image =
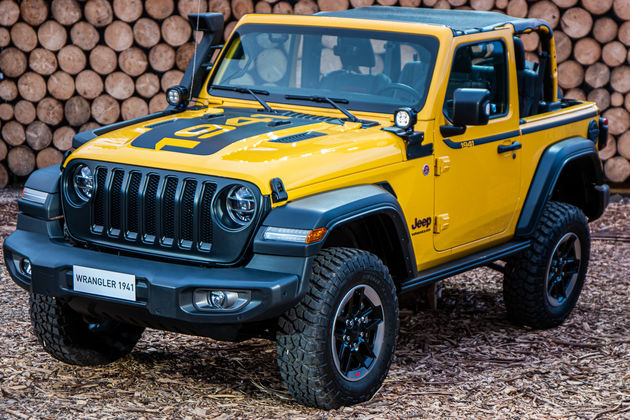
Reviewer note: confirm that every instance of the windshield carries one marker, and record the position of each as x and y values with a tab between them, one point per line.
369	70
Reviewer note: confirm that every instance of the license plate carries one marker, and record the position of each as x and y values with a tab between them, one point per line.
104	283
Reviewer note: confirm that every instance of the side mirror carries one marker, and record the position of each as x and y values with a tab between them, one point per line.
471	107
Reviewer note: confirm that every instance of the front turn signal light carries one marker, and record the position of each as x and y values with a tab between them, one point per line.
315	235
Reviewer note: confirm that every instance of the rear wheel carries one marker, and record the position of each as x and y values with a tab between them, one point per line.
335	347
542	285
70	337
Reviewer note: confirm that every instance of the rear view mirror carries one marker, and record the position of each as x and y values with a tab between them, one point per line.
471	106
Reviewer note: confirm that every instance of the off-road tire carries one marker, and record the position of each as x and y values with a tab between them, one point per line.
525	290
304	337
68	337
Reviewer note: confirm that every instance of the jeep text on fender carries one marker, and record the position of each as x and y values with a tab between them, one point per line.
321	167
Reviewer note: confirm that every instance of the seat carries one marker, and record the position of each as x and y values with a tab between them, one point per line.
527	82
354	53
414	74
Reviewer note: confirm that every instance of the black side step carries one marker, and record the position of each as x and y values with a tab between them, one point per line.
443	271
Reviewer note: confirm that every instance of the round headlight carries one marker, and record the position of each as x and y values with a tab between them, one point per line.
404	118
240	205
83	182
176	95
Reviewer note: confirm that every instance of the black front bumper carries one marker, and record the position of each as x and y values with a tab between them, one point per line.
164	290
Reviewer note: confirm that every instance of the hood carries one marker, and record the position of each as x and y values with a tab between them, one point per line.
238	143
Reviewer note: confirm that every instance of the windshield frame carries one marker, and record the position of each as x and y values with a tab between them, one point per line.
433	45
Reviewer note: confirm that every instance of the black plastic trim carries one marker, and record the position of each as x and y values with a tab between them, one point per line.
483	140
557	123
44	180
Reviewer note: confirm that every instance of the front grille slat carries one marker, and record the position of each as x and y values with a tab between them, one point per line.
205	216
187	215
98	212
168	211
151	208
115	203
133	205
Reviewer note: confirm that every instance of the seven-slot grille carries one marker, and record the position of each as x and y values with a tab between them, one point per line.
148	209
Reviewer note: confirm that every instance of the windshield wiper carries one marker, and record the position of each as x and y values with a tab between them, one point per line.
252	92
323	99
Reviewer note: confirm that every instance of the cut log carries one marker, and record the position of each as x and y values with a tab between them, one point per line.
6	113
484	5
8	90
84	36
457	3
617	169
31	86
618	120
576	22
162	57
21	161
12	62
119	35
23	36
133	61
146	32
134	107
242	7
147	85
620	79
601	97
616	99
187	7
604	30
159	9
42	61
229	28
597	75
38	135
221	6
263	7
626	101
52	35
304	7
610	149
171	78
61	85
624	33
13	133
565	4
614	54
34	12
361	3
431	3
25	112
89	126
105	109
62	138
386	2
103	59
99	12
66	12
517	8
128	10
48	157
587	51
575	94
570	74
77	111
184	55
282	8
500	4
4	176
332	5
176	30
5	37
597	7
623	145
530	41
545	10
119	85
3	150
72	59
9	12
89	84
622	9
50	111
157	103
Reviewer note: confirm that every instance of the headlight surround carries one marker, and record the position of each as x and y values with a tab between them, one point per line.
83	183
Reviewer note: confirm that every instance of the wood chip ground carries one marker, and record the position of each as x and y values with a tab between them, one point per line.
462	361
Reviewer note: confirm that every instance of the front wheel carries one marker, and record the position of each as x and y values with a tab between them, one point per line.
335	347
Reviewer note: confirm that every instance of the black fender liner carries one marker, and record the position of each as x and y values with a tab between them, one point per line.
550	166
332	209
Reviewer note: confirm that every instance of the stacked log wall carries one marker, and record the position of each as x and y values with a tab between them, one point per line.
73	65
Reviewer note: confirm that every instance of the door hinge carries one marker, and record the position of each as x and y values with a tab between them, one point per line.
442	222
442	165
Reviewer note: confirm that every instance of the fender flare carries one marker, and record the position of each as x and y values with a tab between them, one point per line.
550	166
330	210
45	180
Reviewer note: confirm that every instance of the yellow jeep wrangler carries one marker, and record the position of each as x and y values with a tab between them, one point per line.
295	187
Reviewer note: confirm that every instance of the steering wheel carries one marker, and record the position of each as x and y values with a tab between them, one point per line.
400	87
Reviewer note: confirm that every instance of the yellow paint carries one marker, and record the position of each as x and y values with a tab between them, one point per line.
189	144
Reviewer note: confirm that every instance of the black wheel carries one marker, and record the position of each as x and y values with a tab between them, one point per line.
69	337
335	347
542	285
